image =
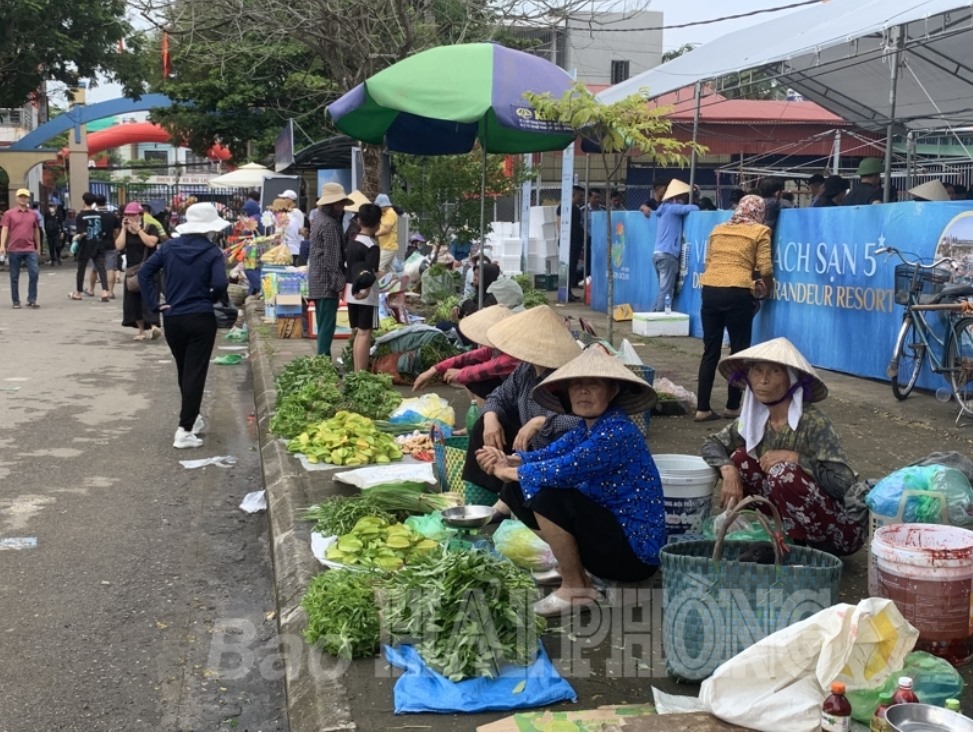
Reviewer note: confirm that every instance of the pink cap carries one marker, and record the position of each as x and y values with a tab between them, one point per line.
132	207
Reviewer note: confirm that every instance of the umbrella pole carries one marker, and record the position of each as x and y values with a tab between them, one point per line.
899	31
482	287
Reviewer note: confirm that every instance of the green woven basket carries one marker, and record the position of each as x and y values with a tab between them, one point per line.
715	606
450	456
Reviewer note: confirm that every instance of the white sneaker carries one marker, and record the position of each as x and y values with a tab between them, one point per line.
200	425
186	439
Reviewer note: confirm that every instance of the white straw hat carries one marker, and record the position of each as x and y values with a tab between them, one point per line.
537	335
333	193
202	219
930	191
357	199
475	326
635	396
675	188
779	351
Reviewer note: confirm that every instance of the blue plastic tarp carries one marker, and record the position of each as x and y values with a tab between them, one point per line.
421	689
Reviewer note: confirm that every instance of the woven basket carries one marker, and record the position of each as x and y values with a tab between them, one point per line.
715	606
450	456
237	294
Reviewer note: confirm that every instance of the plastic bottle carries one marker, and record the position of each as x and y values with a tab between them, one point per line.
471	416
836	710
952	704
905	693
879	722
668	305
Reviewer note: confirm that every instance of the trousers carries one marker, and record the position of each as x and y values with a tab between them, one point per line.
191	339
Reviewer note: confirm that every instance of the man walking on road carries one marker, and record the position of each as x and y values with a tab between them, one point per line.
20	241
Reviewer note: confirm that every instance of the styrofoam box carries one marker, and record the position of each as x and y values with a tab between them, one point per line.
660	324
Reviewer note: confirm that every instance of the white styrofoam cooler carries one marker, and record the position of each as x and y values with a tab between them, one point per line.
648	323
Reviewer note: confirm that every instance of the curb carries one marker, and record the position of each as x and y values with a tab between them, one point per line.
316	696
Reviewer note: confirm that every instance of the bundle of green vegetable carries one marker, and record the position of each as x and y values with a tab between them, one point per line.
370	395
468	613
302	371
409	497
338	515
305	405
342	614
348	439
532	296
374	543
444	310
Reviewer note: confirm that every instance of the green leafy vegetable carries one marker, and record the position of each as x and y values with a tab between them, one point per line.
444	310
307	404
339	515
342	615
468	613
408	497
302	371
369	394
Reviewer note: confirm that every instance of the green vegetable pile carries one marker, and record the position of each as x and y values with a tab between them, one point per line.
532	296
309	391
374	543
468	613
370	395
444	310
347	439
409	497
338	515
342	614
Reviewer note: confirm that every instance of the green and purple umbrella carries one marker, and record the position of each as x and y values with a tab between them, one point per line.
440	101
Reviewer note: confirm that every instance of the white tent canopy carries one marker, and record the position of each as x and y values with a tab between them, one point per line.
248	176
839	54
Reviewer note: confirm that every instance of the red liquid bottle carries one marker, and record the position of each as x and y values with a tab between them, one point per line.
836	710
905	693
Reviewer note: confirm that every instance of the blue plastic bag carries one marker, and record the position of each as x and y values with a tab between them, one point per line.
885	498
421	689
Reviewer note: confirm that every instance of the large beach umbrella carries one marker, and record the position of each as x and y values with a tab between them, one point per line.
443	100
248	176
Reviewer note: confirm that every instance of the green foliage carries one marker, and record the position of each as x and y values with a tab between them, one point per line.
342	615
532	296
370	395
64	41
338	515
443	192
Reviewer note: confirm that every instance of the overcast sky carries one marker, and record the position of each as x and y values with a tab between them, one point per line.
674	12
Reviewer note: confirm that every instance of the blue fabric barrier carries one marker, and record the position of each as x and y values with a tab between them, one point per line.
421	689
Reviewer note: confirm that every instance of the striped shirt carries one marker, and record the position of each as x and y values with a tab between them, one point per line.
477	365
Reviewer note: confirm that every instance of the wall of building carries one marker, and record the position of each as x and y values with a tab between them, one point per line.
596	40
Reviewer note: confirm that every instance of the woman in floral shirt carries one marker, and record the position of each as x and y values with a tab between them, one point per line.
784	449
594	495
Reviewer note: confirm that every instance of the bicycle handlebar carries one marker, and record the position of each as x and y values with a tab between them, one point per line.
915	263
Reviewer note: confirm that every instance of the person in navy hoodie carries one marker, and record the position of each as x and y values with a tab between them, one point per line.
195	279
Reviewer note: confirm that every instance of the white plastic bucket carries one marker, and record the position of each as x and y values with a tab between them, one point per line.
687	484
927	570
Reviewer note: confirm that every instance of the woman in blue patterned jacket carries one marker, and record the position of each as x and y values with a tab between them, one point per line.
594	495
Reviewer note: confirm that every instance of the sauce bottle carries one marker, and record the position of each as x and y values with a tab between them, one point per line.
879	722
905	693
836	710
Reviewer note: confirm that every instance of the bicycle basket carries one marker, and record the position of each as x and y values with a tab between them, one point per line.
931	282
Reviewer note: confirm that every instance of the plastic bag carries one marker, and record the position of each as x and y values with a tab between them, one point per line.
667	386
437	287
414	265
744	527
890	495
934	679
522	546
779	682
429	407
238	335
279	255
430	526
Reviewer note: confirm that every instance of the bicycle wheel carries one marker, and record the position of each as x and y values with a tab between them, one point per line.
909	353
959	362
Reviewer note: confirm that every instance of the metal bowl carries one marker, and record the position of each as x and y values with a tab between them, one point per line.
468	516
925	717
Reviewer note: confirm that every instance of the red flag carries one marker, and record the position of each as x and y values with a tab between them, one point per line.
166	68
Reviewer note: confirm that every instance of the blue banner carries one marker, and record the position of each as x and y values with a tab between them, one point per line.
834	298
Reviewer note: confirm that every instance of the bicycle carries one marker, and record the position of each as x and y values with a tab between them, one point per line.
922	288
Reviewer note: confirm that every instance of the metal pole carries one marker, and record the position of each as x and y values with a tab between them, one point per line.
587	219
836	153
910	159
479	262
899	32
692	160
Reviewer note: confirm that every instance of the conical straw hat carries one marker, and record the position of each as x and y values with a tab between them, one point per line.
779	351
537	335
676	188
930	191
357	199
636	395
474	327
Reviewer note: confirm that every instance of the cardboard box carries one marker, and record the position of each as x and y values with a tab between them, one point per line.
661	324
288	305
289	327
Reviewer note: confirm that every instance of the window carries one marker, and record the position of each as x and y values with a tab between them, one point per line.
619	71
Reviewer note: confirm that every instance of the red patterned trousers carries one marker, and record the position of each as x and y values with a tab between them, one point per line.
809	514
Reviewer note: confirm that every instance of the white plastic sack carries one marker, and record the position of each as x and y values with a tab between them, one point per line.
779	682
430	407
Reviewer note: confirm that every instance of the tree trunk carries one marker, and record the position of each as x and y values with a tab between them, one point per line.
372	175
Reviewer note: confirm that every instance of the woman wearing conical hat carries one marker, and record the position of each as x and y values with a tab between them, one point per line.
594	495
784	449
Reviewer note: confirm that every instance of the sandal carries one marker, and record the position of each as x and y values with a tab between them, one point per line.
731	414
553	605
155	333
711	416
139	338
74	297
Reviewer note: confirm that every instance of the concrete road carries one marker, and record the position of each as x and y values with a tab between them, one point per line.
133	592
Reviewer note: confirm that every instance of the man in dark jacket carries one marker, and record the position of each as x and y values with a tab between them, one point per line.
869	188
